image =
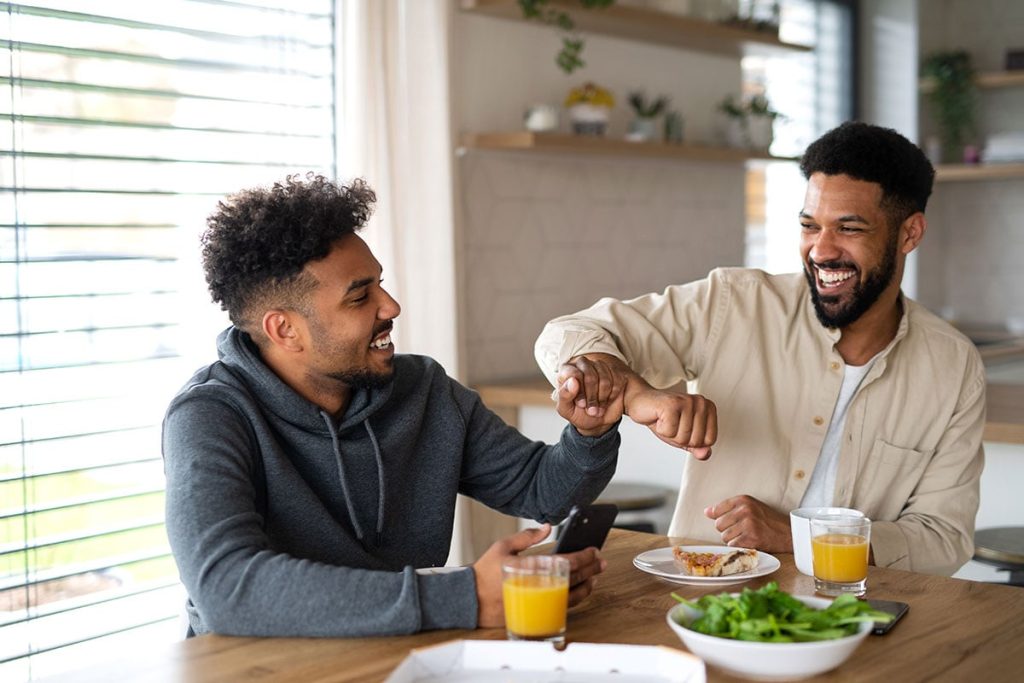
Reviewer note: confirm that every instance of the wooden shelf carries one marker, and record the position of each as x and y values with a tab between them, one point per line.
961	172
525	141
987	79
650	26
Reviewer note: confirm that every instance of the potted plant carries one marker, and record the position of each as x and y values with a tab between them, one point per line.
733	121
589	108
568	58
950	77
644	127
760	122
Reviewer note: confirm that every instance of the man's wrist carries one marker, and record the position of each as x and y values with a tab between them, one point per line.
594	433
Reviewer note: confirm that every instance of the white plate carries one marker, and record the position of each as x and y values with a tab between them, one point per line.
662	564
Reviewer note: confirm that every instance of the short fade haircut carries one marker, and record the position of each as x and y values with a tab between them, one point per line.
258	241
875	155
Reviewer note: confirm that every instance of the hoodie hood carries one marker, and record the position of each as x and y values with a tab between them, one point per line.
241	356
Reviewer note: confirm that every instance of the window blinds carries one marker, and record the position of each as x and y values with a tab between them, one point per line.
121	125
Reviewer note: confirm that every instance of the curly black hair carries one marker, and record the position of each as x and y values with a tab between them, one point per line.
258	241
876	155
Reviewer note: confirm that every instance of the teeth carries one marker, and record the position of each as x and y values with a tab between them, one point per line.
832	278
381	343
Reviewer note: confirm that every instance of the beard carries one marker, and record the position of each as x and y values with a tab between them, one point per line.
864	295
363	379
353	377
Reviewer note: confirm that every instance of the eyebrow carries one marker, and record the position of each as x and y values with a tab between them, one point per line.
849	218
359	284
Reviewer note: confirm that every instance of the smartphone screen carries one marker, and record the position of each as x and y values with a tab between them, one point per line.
586	527
896	609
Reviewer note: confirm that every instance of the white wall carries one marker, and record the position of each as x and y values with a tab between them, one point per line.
543	235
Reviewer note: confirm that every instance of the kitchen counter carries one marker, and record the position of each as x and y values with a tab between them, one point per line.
1005	421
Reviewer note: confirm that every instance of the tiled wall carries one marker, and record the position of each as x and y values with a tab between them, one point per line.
972	256
548	235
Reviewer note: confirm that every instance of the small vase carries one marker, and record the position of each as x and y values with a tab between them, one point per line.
541	118
760	131
733	131
674	127
588	119
642	129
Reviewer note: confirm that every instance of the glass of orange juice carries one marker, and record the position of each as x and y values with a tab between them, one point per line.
535	589
839	549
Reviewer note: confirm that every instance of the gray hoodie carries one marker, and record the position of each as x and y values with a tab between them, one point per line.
287	522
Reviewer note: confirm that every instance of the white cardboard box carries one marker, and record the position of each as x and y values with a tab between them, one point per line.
498	661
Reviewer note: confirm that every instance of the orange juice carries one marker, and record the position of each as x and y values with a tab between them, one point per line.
535	605
842	558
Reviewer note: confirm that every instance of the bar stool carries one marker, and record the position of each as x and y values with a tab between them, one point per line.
638	505
1002	547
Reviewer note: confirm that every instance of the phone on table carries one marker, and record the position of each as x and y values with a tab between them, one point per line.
896	609
586	527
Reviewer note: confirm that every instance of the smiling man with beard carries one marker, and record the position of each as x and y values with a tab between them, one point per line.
817	389
312	472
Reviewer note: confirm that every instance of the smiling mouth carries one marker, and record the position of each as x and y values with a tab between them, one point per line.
832	278
382	342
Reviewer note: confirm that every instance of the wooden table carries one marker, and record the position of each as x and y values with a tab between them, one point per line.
955	631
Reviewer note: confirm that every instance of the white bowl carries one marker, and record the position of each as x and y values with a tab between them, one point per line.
767	661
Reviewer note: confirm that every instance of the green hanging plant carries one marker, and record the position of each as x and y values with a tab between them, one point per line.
568	58
952	95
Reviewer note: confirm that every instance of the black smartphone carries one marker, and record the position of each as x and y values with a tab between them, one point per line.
896	609
586	527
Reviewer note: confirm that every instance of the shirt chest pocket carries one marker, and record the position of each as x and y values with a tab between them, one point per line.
888	478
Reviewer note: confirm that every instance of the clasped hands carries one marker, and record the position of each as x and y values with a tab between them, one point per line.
595	390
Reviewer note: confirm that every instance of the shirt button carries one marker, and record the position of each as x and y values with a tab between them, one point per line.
799	474
819	420
834	365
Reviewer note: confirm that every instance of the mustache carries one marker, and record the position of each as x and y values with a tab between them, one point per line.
833	265
385	327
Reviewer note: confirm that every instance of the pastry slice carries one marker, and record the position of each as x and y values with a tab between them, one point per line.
715	564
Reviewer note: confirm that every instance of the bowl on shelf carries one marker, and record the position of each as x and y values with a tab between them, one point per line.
766	661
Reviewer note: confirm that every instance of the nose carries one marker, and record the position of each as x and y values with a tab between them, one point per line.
388	308
825	247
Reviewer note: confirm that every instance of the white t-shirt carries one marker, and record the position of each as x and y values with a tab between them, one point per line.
822	486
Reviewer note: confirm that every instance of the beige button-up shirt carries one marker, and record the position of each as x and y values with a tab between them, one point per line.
911	454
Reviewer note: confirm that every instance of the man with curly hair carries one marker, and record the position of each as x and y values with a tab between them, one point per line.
830	388
312	473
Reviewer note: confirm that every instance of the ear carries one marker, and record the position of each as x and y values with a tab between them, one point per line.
912	232
282	329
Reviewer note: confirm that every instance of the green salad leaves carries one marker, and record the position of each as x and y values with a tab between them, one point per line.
770	615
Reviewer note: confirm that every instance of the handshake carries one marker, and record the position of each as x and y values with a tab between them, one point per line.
595	390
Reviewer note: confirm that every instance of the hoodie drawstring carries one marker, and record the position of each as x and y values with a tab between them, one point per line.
341	475
357	526
380	481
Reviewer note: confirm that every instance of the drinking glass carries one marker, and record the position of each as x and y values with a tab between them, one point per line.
800	528
535	589
839	549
